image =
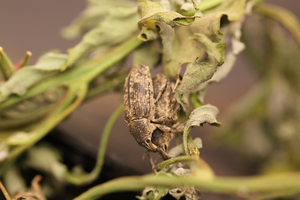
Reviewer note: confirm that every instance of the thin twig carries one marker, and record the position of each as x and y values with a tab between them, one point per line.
4	191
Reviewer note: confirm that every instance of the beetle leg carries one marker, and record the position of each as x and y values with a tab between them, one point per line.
174	129
164	128
159	120
151	162
164	154
161	91
177	77
178	128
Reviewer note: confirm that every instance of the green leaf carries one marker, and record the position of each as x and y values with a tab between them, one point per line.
13	180
26	77
179	150
150	10
46	159
206	32
94	13
153	193
185	50
6	66
233	34
147	54
199	116
118	25
158	21
199	72
167	35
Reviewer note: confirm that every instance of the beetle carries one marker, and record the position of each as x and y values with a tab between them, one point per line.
139	106
166	109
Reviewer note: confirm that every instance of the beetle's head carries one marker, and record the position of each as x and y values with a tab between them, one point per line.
161	139
141	130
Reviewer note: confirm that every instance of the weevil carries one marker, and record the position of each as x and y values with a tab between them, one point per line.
140	107
166	109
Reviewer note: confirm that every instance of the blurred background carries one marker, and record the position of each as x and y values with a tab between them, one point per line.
34	25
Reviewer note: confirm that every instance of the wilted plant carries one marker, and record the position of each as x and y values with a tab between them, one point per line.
205	36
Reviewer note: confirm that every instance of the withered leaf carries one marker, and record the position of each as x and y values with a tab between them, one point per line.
199	116
27	76
119	24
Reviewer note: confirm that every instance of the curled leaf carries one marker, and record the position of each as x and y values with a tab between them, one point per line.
153	193
158	21
24	78
188	192
199	116
185	49
46	159
166	33
179	150
233	35
92	15
199	72
119	24
150	10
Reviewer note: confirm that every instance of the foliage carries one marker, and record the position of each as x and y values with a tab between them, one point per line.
202	35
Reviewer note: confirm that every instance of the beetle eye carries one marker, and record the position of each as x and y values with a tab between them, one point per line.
165	147
147	141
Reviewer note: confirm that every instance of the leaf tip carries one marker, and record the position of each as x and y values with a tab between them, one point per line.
28	53
63	67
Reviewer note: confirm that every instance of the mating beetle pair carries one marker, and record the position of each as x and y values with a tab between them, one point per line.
150	109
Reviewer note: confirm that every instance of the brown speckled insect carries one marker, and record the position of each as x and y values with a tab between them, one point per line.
166	109
139	107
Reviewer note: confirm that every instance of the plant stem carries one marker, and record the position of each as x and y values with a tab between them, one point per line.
165	163
85	72
209	4
59	113
106	86
4	191
78	180
6	65
286	184
282	15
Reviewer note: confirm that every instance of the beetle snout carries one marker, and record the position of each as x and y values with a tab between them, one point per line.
141	130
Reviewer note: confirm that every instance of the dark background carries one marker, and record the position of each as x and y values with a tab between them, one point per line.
34	25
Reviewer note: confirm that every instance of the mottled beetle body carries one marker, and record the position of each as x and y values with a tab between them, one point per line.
150	111
139	105
166	108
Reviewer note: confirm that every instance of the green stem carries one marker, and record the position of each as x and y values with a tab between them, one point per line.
174	160
287	184
209	4
47	124
6	65
25	118
25	60
78	180
106	86
282	15
4	191
85	72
